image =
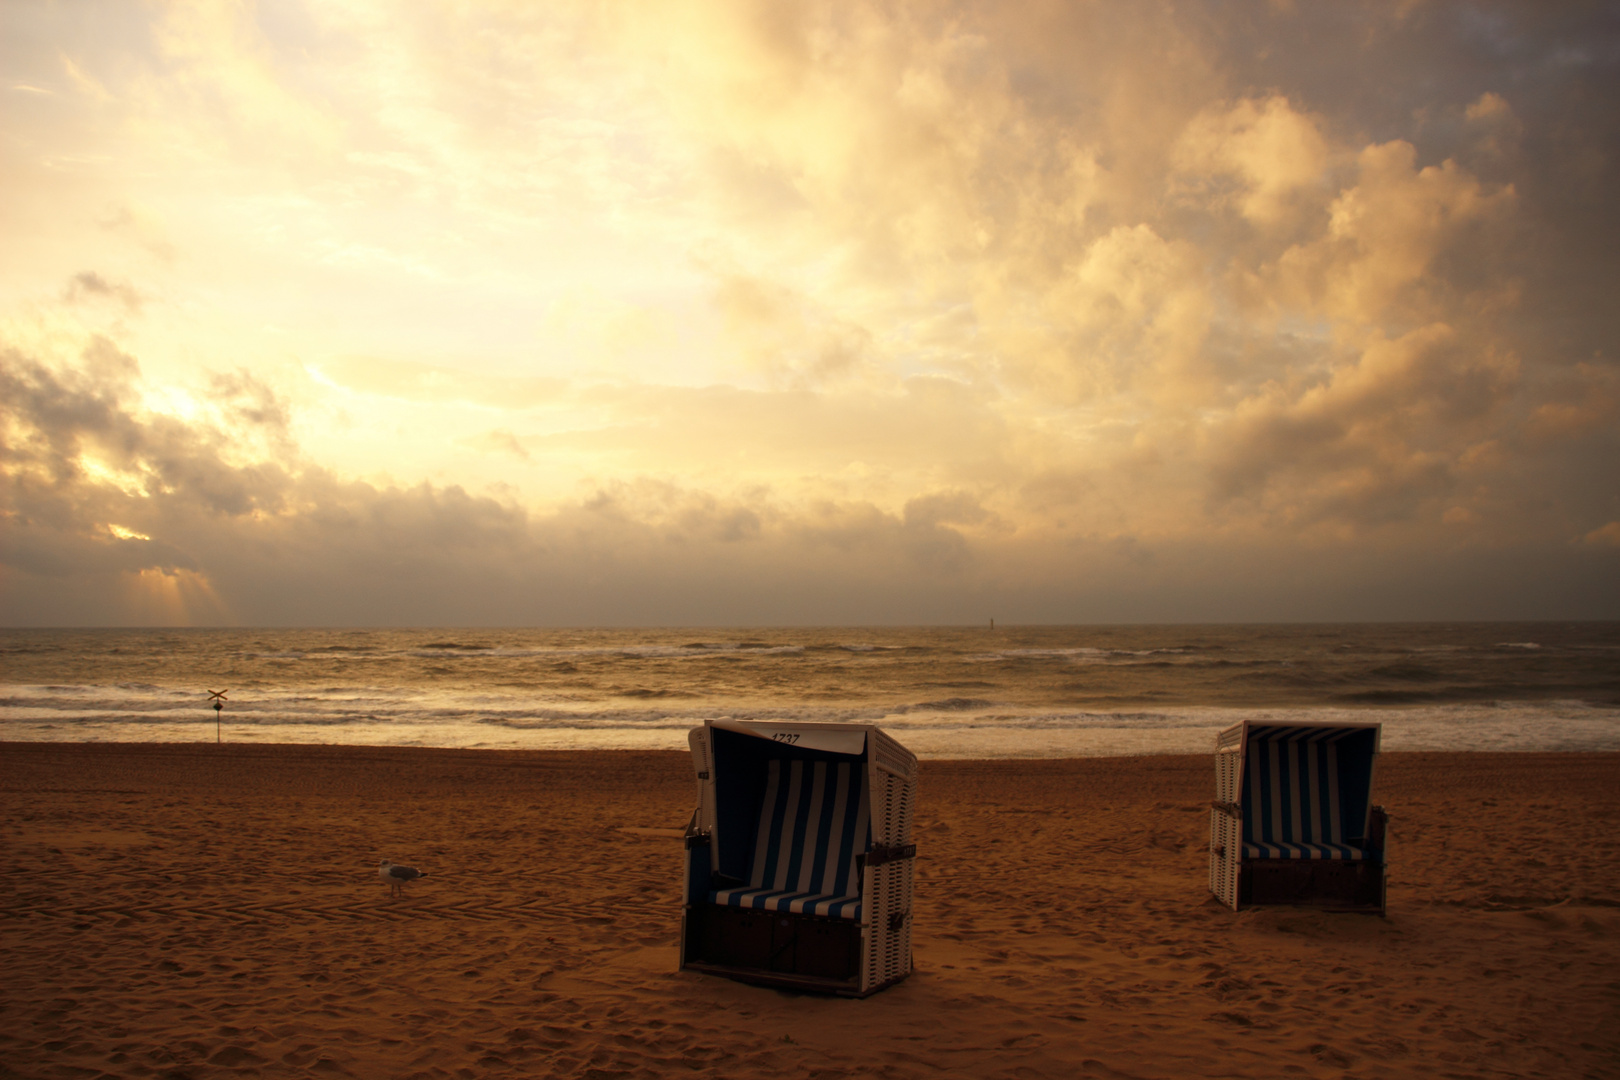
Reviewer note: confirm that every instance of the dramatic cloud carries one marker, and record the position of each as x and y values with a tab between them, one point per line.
743	312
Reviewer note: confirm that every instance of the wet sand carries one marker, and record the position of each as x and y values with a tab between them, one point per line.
204	911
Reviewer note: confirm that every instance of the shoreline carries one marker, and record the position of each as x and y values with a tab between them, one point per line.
216	910
1010	760
273	746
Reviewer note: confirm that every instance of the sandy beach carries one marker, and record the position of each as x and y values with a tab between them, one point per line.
208	911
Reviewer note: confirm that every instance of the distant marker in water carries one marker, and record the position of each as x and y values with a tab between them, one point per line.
218	698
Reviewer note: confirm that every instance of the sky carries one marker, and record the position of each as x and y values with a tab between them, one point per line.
748	313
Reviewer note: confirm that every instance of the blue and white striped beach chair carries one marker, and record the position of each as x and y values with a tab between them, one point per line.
799	856
1293	820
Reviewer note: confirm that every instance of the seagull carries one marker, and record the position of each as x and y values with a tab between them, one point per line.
396	877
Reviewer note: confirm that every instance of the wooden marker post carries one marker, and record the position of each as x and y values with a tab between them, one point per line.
218	698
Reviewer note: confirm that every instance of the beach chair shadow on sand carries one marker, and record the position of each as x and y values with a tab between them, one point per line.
1293	820
799	856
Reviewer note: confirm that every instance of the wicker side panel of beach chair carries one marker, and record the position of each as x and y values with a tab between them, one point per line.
1226	819
887	880
700	829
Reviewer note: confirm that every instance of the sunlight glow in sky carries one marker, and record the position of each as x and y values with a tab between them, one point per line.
357	312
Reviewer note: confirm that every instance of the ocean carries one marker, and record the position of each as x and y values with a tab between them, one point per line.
946	692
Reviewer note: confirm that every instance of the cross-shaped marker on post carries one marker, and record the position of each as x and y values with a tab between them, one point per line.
218	698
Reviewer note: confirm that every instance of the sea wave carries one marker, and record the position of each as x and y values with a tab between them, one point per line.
954	704
959	691
950	727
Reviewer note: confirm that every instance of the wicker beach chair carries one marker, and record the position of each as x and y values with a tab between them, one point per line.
1293	820
799	856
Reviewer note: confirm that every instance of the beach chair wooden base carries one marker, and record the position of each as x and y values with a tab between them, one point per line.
1329	884
769	948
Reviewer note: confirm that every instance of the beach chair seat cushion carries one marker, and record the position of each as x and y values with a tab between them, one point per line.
797	903
1280	850
811	830
1293	804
